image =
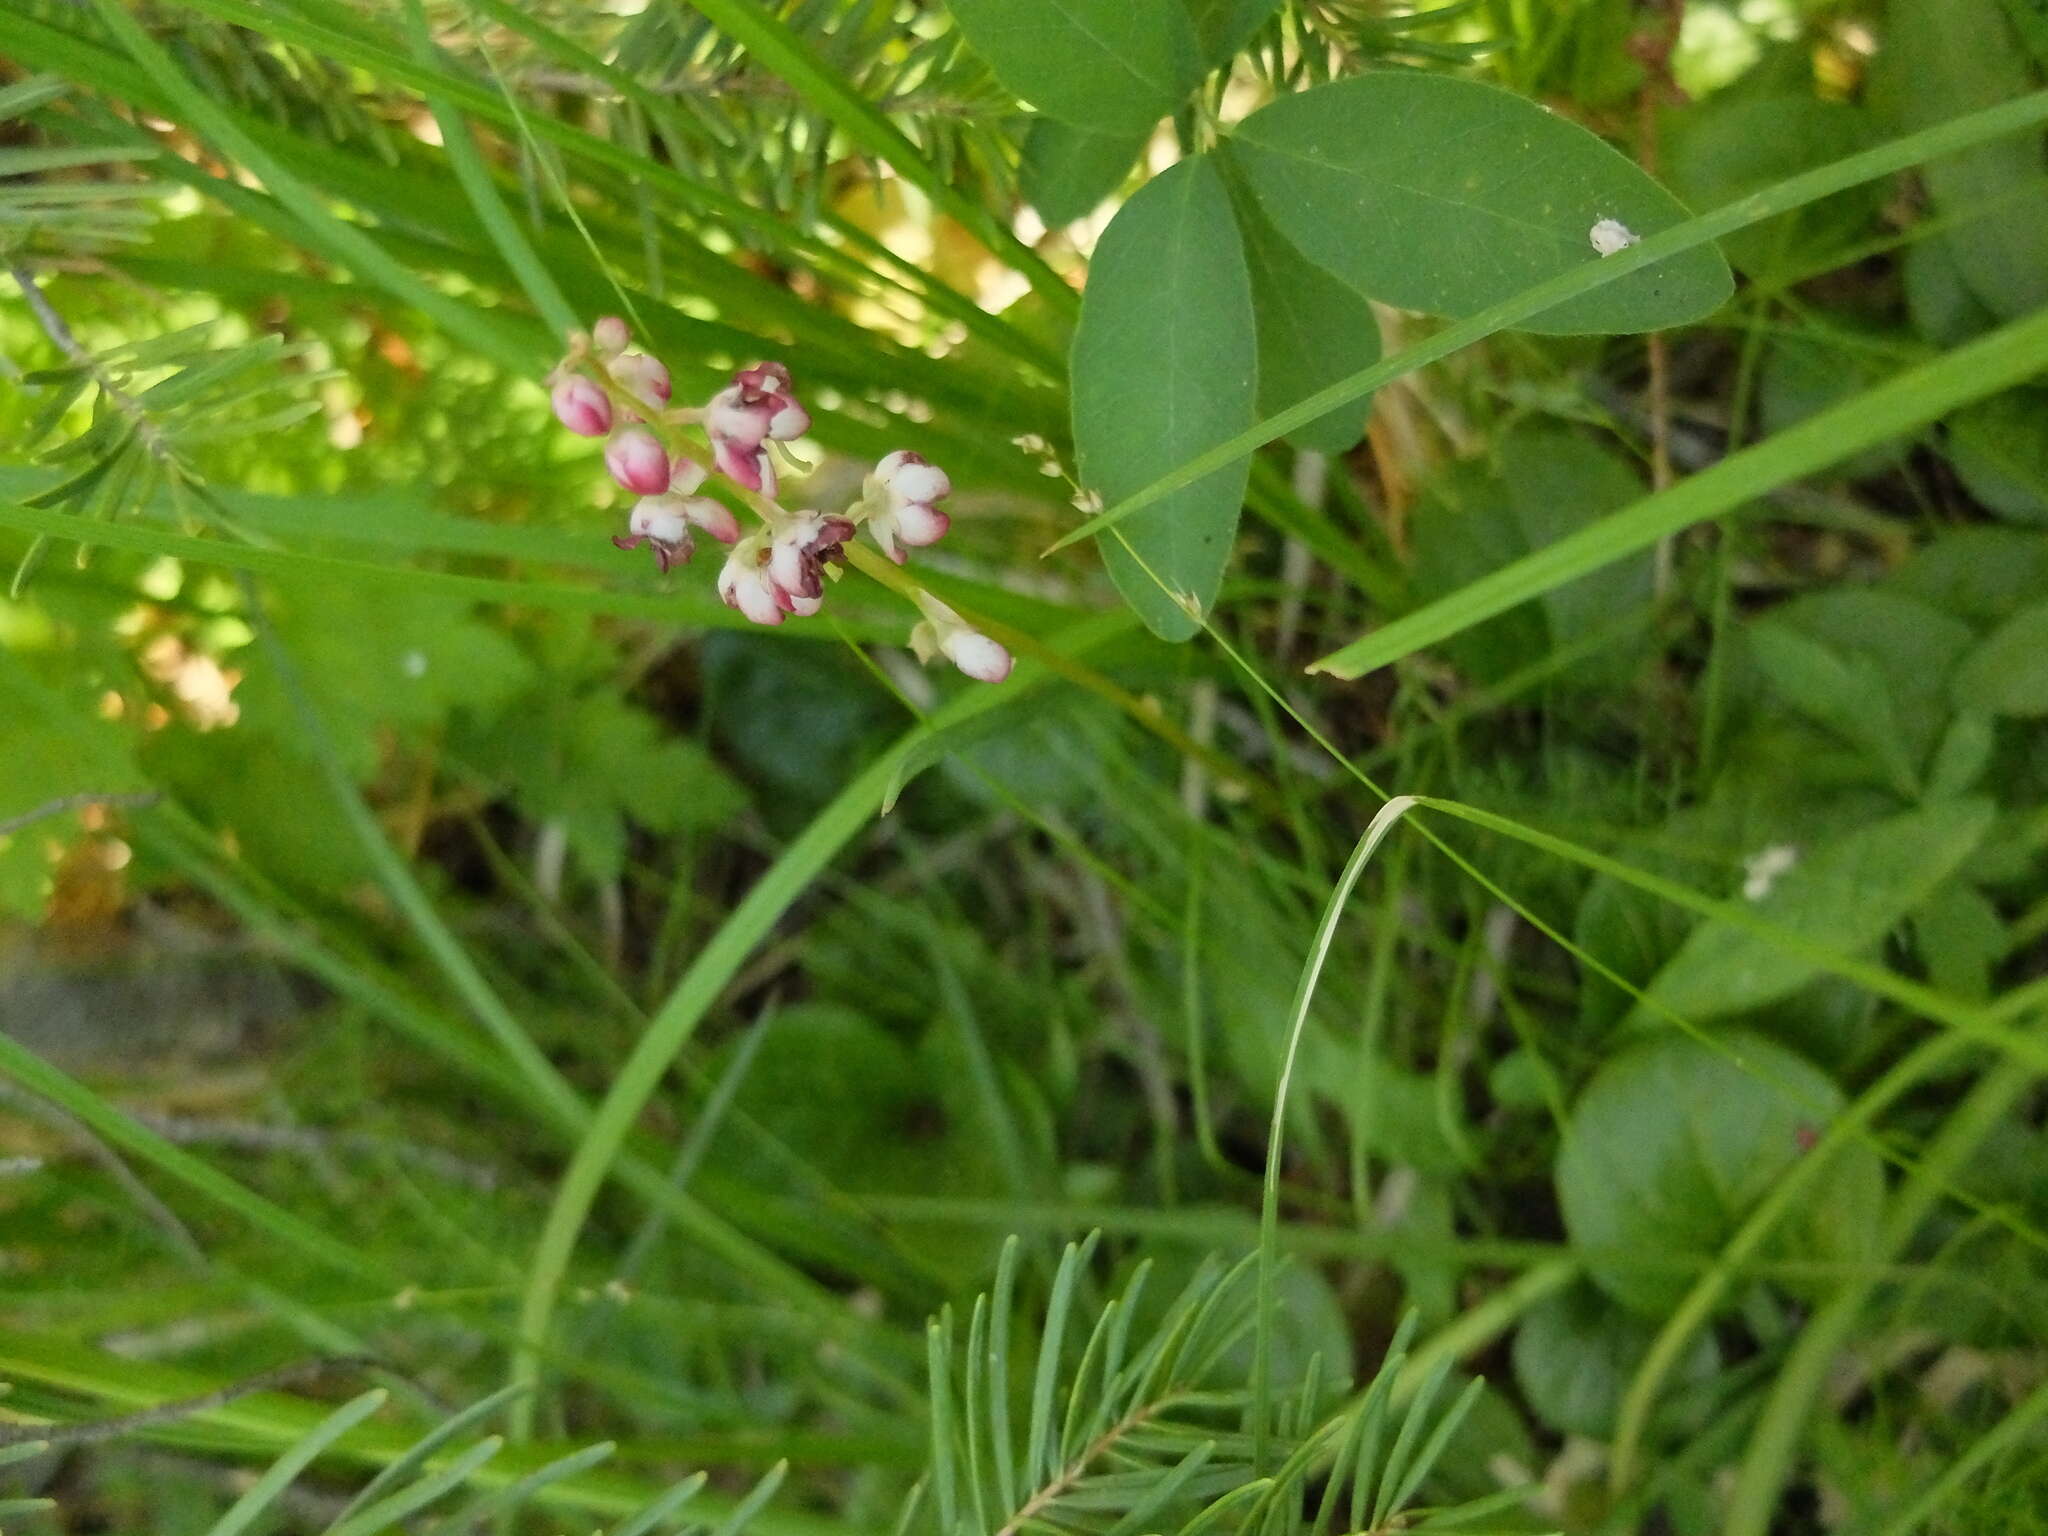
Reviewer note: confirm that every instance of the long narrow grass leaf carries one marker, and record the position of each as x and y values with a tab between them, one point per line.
450	1428
1269	1204
283	1472
395	1507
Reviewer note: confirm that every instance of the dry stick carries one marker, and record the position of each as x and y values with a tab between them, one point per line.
54	327
1072	1472
133	800
166	1220
1655	52
275	1380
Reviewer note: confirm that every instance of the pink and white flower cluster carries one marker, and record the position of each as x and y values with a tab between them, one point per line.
605	389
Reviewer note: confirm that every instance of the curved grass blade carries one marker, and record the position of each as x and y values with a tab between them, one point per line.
1269	1206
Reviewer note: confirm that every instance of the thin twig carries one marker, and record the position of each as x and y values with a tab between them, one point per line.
131	800
166	1220
151	436
1655	51
275	1380
1072	1472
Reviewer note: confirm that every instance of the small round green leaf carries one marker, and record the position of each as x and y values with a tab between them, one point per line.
1446	196
1576	1352
1164	366
1673	1144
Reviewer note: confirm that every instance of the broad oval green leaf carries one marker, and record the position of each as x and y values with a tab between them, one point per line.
1843	896
1165	365
1224	27
1313	331
1999	447
1945	58
1447	196
1673	1143
2007	674
1110	65
1576	1353
1067	172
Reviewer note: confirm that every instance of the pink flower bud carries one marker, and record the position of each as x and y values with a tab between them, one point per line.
714	517
582	407
637	462
976	655
644	378
901	498
610	336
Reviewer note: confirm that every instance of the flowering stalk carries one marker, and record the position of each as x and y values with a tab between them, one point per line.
603	388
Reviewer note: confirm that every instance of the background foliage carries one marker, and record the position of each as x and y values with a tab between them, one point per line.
487	1039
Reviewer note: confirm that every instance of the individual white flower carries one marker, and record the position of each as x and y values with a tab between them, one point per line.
901	499
664	522
582	406
609	336
637	461
744	582
976	655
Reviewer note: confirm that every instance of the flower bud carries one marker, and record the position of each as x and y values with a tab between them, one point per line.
976	655
609	336
637	462
582	407
714	517
757	408
644	378
942	632
902	496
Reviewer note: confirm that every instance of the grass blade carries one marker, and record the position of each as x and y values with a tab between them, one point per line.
283	1472
456	1424
2008	356
1269	1206
541	289
388	1511
662	1508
